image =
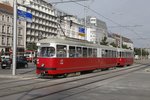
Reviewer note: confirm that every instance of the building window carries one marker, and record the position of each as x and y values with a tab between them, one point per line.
19	41
8	19
19	31
8	41
3	17
19	22
8	29
3	40
3	29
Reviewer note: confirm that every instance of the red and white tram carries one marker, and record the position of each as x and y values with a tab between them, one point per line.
57	56
125	57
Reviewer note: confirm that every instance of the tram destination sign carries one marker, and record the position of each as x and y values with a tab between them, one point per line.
26	16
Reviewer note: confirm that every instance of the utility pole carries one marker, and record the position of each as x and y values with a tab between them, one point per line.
85	12
121	41
141	53
14	37
15	6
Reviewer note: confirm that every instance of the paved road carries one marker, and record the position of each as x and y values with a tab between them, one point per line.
134	86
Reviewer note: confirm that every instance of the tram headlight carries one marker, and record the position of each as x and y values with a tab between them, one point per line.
42	65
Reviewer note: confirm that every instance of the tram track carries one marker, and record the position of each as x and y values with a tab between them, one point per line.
22	80
25	78
58	82
92	81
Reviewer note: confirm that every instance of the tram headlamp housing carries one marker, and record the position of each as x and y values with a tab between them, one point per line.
42	65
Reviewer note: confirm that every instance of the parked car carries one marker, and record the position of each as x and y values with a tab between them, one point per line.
22	62
6	62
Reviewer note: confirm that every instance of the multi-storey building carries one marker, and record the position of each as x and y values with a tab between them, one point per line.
6	29
123	40
91	34
96	29
44	20
71	25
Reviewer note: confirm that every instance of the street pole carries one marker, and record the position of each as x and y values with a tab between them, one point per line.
14	38
85	15
120	41
141	54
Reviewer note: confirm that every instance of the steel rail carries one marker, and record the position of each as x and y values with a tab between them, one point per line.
72	80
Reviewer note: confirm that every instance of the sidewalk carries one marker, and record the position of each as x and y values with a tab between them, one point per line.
20	73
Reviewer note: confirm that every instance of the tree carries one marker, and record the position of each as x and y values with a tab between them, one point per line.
103	42
125	46
113	44
138	52
31	46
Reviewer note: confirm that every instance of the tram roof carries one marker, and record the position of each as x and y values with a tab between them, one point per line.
125	50
73	42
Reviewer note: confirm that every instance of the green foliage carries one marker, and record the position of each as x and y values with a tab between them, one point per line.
138	52
104	41
125	46
113	44
31	46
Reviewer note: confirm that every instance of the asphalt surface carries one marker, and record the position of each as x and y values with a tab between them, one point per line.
134	86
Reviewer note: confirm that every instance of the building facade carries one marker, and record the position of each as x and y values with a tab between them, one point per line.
123	40
96	29
70	25
6	29
44	20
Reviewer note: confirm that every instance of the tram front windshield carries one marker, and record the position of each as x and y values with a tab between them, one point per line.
47	51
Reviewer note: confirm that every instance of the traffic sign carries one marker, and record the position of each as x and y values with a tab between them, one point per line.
22	15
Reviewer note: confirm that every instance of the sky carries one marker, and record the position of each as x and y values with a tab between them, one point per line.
132	15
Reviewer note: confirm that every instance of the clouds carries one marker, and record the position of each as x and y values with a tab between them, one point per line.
124	12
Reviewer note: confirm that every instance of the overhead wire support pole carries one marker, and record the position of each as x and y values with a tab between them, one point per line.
85	12
141	54
14	37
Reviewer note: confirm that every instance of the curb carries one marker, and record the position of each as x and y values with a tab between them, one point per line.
18	76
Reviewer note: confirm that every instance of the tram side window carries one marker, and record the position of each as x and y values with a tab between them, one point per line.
79	52
90	52
94	52
110	53
120	54
106	55
71	51
47	51
115	54
103	53
61	51
123	54
84	52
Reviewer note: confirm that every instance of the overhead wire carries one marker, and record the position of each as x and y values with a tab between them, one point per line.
109	19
